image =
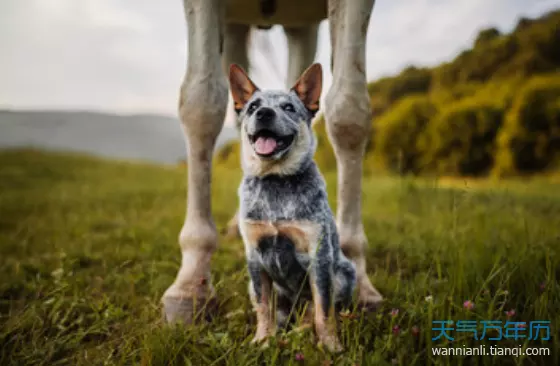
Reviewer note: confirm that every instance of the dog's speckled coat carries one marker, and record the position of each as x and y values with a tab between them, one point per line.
290	235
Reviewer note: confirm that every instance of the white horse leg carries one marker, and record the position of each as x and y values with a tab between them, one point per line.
202	108
302	47
348	117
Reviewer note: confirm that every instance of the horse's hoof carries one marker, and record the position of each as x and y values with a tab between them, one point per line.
188	310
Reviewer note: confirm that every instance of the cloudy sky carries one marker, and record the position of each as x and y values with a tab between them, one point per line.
128	56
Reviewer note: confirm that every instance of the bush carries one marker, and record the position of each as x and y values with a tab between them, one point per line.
486	35
229	155
387	91
396	134
461	139
324	156
530	139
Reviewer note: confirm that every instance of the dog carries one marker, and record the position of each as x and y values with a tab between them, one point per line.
290	237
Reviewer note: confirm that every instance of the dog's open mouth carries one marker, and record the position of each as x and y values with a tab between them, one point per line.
267	143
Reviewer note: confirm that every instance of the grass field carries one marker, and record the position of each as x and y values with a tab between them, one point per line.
88	246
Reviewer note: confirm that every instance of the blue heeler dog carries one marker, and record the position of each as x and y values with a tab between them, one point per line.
290	237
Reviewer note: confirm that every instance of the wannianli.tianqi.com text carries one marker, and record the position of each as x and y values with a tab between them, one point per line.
484	350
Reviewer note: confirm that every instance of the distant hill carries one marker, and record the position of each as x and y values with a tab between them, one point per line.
148	137
533	47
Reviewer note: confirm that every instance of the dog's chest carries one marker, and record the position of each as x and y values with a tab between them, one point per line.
285	266
280	198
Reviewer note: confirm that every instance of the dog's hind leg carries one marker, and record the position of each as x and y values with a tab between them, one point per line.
202	107
348	117
344	284
284	309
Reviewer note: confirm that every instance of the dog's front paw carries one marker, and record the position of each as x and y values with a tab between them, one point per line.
331	342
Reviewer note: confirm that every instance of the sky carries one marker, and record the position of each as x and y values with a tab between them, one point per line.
129	56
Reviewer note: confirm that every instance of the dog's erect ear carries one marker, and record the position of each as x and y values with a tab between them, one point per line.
308	87
242	88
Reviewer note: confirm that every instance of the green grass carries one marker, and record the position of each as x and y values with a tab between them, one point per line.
87	247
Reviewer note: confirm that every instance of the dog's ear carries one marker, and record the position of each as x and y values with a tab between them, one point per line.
242	88
308	87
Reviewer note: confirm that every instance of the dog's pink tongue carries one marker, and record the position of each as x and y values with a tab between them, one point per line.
265	145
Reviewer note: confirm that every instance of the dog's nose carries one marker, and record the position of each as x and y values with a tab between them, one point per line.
265	114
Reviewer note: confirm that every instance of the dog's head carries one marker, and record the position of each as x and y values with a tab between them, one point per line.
276	135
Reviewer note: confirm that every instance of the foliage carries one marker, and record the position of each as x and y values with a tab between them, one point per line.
530	139
388	90
461	139
397	134
532	48
485	36
324	157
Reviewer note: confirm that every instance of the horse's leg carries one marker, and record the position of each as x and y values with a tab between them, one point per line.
348	117
302	47
202	107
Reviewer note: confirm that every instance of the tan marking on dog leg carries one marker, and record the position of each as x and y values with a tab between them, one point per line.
325	324
348	116
265	325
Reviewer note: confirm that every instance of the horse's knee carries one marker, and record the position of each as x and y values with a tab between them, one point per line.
348	117
202	107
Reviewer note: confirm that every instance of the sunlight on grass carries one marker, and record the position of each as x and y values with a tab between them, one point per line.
88	246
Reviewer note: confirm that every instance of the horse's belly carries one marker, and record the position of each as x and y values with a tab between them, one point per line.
284	12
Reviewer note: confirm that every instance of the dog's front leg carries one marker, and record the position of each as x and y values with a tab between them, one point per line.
260	290
321	279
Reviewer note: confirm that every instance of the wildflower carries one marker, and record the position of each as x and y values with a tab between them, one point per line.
468	304
510	313
429	298
299	357
415	330
542	286
396	330
394	312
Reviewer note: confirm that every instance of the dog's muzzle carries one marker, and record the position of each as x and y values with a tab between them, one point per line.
267	143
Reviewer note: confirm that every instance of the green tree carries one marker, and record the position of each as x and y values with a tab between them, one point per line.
461	139
397	134
530	139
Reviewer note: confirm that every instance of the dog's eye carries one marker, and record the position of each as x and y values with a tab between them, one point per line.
288	107
252	107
